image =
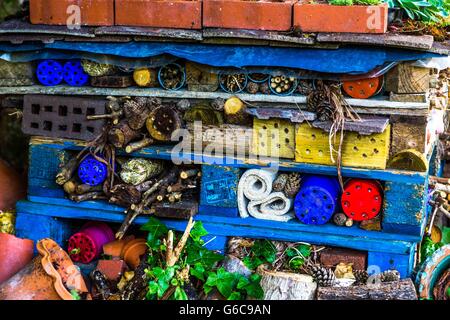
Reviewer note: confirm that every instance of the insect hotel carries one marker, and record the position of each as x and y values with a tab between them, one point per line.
224	150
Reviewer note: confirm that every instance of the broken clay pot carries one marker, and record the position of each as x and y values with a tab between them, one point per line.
49	276
133	251
115	248
12	186
15	253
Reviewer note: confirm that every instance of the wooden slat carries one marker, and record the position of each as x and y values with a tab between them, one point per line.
19	26
380	106
388	39
150	32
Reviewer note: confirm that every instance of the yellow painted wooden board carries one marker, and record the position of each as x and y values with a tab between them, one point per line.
274	138
365	151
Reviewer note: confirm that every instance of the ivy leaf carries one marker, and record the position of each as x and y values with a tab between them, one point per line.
235	296
156	229
198	254
263	251
251	286
198	231
223	280
180	294
163	279
198	271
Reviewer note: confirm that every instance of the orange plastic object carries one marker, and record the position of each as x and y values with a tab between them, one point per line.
133	251
363	89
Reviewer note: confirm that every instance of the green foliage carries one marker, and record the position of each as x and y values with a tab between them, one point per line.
262	252
234	286
297	256
75	295
201	263
341	2
422	10
428	248
367	2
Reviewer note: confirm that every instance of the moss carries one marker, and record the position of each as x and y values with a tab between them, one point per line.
341	2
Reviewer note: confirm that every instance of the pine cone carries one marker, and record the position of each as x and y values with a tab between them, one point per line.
136	112
323	276
292	185
339	219
280	182
361	276
324	112
183	105
218	104
315	99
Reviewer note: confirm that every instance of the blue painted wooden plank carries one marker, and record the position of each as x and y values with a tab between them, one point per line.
219	186
382	261
215	242
37	227
218	211
404	207
165	152
229	228
100	208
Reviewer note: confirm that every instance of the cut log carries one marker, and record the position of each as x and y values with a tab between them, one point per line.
406	78
401	290
287	286
122	134
235	112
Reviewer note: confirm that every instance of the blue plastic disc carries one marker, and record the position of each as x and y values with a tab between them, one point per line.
91	171
317	199
74	73
49	72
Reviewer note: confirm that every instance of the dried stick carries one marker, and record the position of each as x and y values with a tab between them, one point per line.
173	258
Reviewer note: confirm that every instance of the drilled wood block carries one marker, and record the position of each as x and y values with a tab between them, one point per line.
330	257
274	138
365	151
178	210
112	81
406	78
62	116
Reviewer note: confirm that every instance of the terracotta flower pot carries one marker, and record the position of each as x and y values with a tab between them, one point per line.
115	248
256	15
133	251
49	276
12	186
15	253
344	19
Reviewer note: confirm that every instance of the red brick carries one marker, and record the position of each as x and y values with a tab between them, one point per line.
330	257
160	14
241	14
112	269
54	12
329	18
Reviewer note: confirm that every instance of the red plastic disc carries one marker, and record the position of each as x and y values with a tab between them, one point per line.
82	248
364	88
362	199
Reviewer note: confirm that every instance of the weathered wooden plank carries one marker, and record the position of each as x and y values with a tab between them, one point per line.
296	116
21	38
408	97
383	261
258	35
150	32
22	26
366	126
370	106
388	39
398	290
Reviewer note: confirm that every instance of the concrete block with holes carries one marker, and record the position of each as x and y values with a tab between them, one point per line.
62	116
274	138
